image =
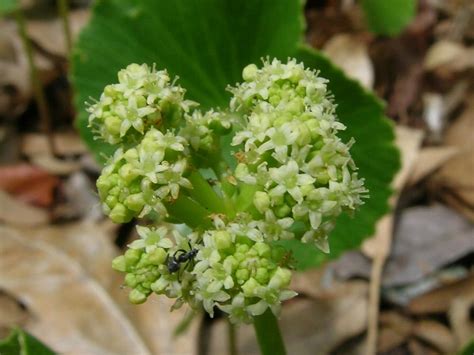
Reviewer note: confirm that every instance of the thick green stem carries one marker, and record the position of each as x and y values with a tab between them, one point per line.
268	334
188	211
203	193
63	10
232	338
35	81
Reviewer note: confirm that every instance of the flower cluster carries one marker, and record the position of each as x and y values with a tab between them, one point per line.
239	275
230	271
290	148
292	174
142	98
146	265
138	180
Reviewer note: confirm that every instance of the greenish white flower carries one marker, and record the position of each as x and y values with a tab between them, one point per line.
290	149
240	273
142	179
143	98
145	265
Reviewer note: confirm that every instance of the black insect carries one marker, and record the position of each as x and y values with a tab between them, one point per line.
180	256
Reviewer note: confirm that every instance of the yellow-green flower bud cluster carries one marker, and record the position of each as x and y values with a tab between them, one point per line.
240	276
230	271
139	180
290	148
145	264
142	98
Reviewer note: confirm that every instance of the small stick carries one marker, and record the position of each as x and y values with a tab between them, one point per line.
63	10
43	111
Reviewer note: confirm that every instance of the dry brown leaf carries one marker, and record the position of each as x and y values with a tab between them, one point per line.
309	326
408	141
73	313
28	184
350	53
419	348
13	314
439	300
15	212
457	175
450	56
407	86
395	330
378	247
427	239
156	324
54	165
13	72
429	160
389	339
91	246
308	283
460	316
435	334
85	242
49	34
64	143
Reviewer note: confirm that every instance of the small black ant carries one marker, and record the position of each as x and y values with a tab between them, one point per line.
174	262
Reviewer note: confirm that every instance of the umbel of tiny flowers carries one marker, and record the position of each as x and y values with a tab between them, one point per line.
209	227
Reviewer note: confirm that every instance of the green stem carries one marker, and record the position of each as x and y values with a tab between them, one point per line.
268	334
203	193
188	211
37	87
63	10
232	338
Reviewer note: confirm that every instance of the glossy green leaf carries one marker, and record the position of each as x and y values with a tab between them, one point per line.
388	17
19	342
373	152
205	42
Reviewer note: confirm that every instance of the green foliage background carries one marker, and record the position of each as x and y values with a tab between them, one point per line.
207	43
388	17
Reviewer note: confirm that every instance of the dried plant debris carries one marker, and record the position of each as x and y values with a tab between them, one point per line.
15	212
426	239
351	54
403	295
63	298
49	34
455	179
29	184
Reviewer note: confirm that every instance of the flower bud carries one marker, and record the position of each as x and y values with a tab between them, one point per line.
119	263
137	297
261	200
250	72
222	239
